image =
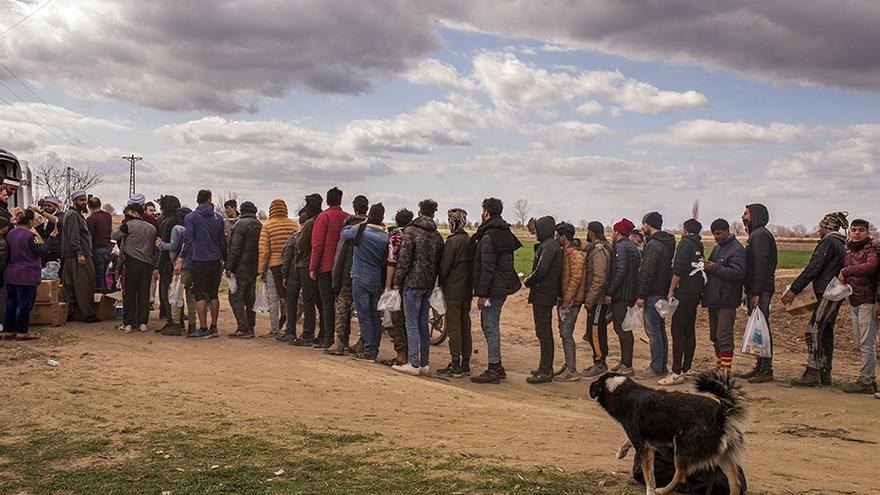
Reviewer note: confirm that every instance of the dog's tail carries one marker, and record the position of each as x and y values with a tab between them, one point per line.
727	391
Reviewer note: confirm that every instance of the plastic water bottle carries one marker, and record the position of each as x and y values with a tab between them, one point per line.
53	363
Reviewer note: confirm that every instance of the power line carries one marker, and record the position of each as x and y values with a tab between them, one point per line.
29	118
10	28
62	131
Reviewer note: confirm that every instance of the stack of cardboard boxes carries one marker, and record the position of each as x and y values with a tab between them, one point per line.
47	309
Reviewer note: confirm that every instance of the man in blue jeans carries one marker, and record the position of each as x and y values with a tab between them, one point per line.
494	279
370	243
418	263
655	275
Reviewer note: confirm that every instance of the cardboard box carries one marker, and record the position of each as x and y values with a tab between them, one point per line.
804	303
105	305
52	314
48	291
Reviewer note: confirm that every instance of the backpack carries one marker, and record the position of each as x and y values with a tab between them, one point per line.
706	482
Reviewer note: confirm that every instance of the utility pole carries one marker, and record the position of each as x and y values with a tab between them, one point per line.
133	159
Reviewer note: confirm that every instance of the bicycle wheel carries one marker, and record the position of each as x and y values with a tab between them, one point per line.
437	323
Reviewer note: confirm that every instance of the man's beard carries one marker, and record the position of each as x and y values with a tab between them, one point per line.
82	209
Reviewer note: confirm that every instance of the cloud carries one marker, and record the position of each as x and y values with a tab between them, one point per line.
510	81
574	130
432	72
703	132
824	42
220	57
591	107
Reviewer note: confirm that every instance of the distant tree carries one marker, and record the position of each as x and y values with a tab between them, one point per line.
521	209
799	230
738	228
262	215
109	208
583	223
222	198
58	179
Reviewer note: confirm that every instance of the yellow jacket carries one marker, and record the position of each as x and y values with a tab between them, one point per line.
274	235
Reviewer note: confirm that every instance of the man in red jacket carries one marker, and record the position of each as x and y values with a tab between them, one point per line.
860	266
325	237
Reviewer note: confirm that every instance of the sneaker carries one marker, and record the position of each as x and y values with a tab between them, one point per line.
172	331
877	395
241	334
406	369
763	376
425	370
212	333
626	371
364	357
747	374
450	370
502	374
650	374
691	374
488	376
810	378
559	371
617	368
672	379
197	333
325	344
143	328
270	335
858	387
540	378
465	371
126	329
284	338
595	371
300	343
567	376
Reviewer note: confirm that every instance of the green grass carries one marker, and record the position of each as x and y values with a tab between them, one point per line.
215	461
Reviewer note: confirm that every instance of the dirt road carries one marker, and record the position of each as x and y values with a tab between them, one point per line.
801	441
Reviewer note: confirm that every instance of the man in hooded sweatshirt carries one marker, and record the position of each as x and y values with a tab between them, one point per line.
78	272
456	280
342	284
543	284
726	270
302	258
242	261
598	268
204	251
623	289
274	235
760	282
168	205
325	238
824	266
418	263
495	279
686	286
654	277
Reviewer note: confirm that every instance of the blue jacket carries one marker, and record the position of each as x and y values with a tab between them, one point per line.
205	235
370	253
174	247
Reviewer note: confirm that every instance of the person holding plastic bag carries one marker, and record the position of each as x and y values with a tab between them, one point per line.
573	293
824	266
543	284
623	289
725	271
370	242
686	286
456	279
421	249
174	248
654	277
241	266
397	329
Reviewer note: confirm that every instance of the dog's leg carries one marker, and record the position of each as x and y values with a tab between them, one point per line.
731	471
646	453
678	478
624	448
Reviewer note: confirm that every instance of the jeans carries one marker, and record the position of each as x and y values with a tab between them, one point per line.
458	327
136	296
242	303
865	334
566	332
490	321
684	335
101	258
277	296
762	363
721	324
366	300
597	333
19	303
418	334
655	327
328	302
543	317
627	341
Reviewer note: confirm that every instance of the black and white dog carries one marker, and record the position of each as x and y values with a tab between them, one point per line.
705	431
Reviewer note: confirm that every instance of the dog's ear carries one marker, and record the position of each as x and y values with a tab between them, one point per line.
596	388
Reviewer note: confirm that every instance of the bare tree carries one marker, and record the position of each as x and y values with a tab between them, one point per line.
109	208
583	224
799	230
738	228
222	198
58	179
261	215
522	208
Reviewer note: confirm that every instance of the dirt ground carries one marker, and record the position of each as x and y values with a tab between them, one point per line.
801	441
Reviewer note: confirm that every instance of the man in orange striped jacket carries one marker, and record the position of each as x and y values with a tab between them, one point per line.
274	235
573	291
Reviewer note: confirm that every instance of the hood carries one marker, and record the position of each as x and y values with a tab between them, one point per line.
206	210
544	227
423	223
278	209
663	237
760	216
354	220
168	205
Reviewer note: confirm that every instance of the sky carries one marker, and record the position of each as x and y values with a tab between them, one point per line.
590	110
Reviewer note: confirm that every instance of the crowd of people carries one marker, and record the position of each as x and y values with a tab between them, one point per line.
327	261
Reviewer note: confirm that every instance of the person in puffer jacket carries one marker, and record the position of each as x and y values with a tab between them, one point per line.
242	261
543	284
274	235
654	276
726	270
825	264
623	291
571	298
598	268
418	264
860	269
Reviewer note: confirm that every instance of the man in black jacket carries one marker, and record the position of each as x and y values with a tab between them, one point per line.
825	264
543	284
494	279
726	270
760	282
654	277
168	205
623	289
244	247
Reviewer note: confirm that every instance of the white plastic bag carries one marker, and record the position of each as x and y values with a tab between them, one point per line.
666	308
389	300
387	321
634	319
438	301
50	271
837	290
756	339
230	282
261	303
176	292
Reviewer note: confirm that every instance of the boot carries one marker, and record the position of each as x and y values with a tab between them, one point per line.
748	374
858	387
762	376
825	377
810	378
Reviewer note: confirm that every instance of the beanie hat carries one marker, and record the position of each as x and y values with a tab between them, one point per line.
624	227
248	207
654	219
77	194
692	226
835	221
597	229
138	198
